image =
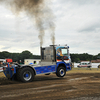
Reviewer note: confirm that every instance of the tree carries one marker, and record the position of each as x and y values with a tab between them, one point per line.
28	55
25	55
98	56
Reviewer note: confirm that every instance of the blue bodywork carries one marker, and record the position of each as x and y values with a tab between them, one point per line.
67	65
11	71
51	68
45	69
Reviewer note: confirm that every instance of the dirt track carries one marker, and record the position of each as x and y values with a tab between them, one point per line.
72	87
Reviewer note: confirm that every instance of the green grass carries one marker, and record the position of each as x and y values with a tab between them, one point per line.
84	70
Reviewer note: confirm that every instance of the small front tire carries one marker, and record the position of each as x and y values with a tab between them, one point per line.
61	71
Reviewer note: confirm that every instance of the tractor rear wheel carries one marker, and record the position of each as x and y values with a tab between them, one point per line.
25	74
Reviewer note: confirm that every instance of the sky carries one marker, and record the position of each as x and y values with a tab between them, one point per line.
77	24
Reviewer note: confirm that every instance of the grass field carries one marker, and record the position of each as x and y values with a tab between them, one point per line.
74	70
84	70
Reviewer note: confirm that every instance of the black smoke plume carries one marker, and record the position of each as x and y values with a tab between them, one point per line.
37	10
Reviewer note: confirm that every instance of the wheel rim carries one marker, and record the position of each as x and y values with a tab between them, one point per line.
27	75
62	72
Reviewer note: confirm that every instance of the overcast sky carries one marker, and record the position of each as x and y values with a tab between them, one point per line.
77	24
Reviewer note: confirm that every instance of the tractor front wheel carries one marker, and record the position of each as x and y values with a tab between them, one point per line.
61	71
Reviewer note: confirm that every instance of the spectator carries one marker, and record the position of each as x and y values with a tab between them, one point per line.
1	64
34	62
5	63
20	62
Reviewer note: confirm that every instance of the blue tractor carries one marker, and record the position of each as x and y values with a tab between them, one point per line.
54	59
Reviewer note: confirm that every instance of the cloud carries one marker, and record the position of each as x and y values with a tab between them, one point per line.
77	24
94	27
5	48
79	2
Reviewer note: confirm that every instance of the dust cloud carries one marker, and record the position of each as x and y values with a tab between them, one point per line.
37	10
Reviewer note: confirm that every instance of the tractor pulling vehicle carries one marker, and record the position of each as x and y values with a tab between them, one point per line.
54	59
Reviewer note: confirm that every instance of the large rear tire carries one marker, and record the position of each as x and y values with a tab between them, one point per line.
25	74
61	71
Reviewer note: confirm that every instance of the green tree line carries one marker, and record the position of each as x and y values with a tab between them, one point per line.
16	57
28	55
84	57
